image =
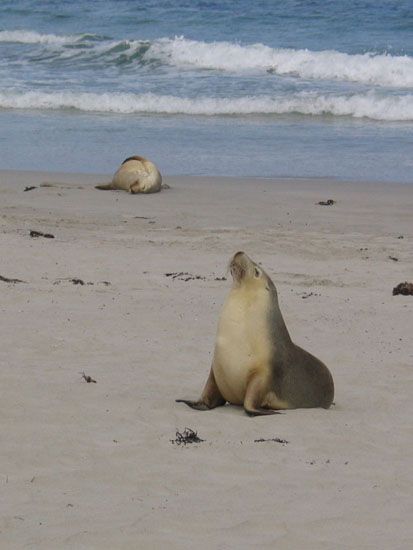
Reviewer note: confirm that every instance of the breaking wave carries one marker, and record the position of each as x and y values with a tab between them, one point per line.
33	37
366	68
367	105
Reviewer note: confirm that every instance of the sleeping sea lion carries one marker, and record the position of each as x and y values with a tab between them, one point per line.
136	175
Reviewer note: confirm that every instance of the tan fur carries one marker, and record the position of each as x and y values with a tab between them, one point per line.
255	363
135	175
241	343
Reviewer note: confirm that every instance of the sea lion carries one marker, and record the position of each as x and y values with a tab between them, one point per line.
136	175
255	362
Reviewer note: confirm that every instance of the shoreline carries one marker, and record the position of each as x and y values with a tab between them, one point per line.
186	177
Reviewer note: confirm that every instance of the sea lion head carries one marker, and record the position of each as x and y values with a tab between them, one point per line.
135	157
246	271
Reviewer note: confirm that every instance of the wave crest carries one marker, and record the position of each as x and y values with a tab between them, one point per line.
33	37
367	68
368	105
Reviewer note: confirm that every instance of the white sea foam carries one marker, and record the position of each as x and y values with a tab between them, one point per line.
33	37
368	68
368	105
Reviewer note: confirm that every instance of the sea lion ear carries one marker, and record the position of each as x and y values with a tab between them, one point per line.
257	272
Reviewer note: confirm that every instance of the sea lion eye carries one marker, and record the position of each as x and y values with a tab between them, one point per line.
257	272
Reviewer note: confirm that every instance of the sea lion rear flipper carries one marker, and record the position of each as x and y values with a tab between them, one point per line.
198	405
211	396
106	186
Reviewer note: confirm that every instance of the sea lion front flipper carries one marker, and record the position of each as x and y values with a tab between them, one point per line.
260	412
254	397
211	396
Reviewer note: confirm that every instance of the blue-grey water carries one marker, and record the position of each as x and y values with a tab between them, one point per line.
268	88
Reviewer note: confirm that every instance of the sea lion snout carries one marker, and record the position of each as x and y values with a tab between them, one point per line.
239	265
241	259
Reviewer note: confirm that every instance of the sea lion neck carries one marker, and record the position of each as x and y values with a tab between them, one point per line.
277	324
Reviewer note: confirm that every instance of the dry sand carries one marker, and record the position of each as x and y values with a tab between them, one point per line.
92	465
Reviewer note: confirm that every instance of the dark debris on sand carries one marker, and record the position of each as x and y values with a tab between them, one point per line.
40	234
305	295
275	439
405	289
88	379
7	280
328	202
81	282
185	276
186	437
75	281
29	188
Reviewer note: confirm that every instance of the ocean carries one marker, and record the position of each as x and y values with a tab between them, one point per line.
269	88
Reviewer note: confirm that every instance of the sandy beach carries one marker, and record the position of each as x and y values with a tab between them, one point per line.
94	465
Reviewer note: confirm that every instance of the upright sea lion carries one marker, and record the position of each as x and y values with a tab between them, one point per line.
255	362
136	175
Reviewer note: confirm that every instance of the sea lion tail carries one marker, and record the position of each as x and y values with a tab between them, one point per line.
105	186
